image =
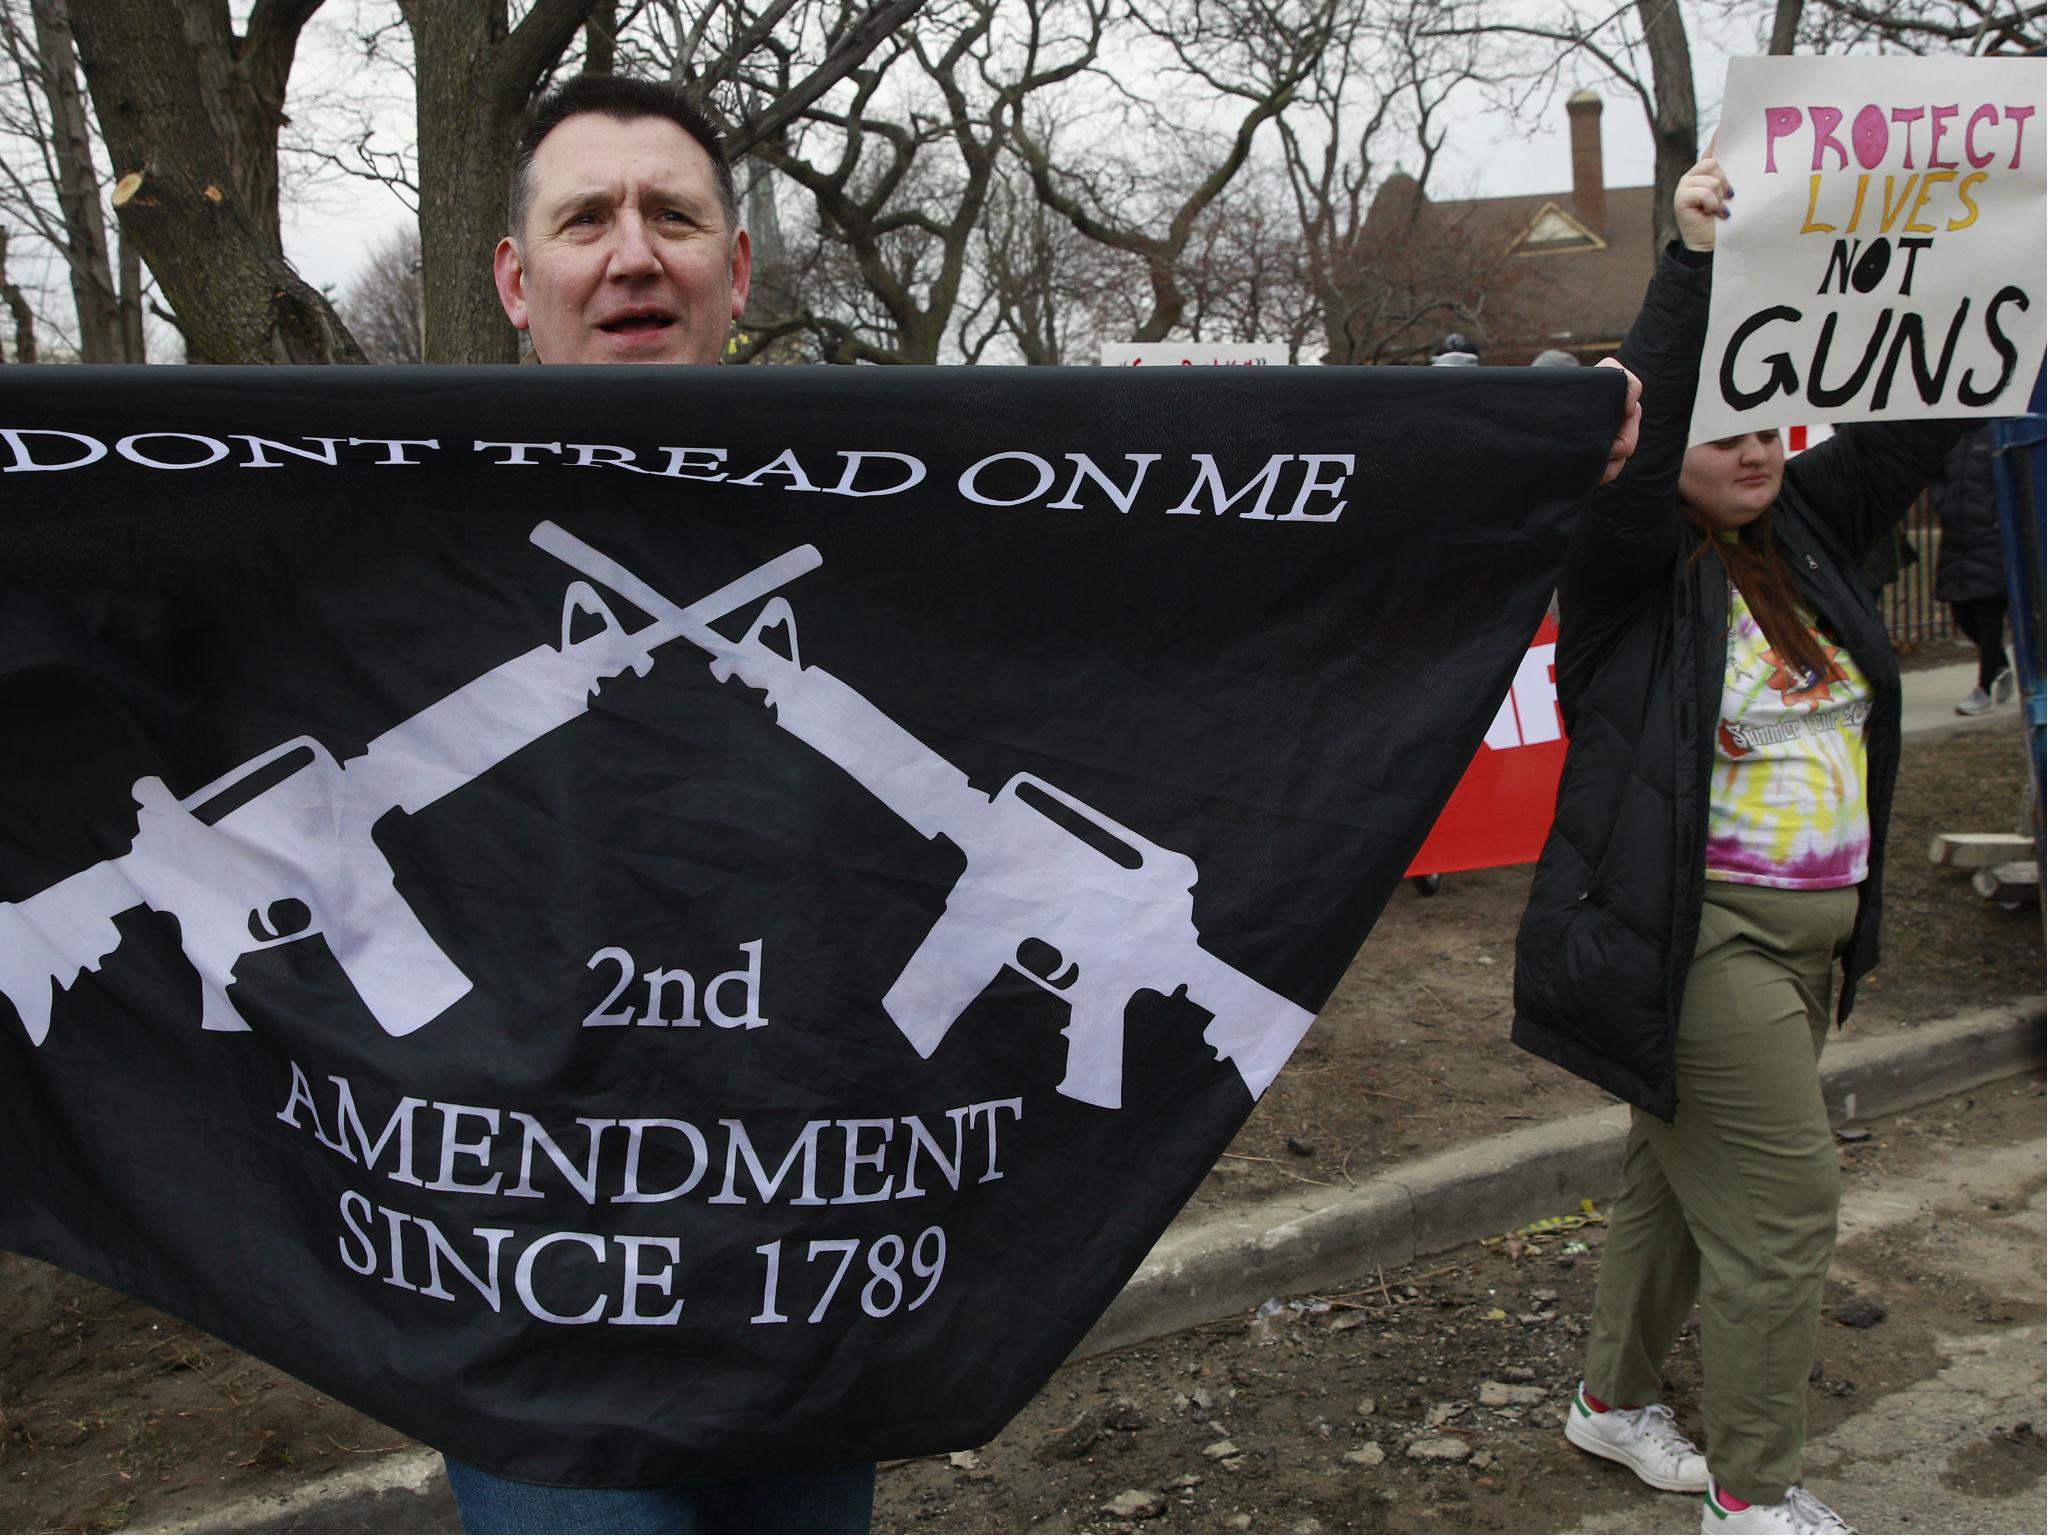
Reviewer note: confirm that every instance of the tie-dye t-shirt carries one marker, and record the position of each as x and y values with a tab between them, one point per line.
1790	804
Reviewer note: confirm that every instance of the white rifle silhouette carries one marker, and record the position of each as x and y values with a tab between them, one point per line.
282	847
1116	911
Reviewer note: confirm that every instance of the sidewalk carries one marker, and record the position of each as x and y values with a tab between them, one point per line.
1930	703
1211	1269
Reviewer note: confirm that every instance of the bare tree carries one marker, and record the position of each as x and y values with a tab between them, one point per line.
1252	56
1245	273
241	79
1917	26
1043	291
474	73
17	307
773	62
385	304
1387	76
898	167
601	38
1642	44
1784	26
1116	221
55	190
192	133
1424	268
1671	104
361	128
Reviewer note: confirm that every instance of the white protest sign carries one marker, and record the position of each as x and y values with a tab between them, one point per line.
1193	354
1884	253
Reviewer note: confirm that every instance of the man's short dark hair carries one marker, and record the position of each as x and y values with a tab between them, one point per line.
627	100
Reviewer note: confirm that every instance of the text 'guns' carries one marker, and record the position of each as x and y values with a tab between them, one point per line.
1041	866
288	834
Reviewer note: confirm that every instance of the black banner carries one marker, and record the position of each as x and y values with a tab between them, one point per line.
638	924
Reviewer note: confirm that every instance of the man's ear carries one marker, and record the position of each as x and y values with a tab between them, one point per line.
742	272
510	275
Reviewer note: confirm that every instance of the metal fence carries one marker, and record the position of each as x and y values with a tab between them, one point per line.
1909	606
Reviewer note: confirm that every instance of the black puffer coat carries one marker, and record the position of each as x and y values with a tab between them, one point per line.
1972	562
1614	909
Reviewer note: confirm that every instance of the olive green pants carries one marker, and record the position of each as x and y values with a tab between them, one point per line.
1734	1202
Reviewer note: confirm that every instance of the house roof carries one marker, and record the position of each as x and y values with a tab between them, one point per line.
1573	287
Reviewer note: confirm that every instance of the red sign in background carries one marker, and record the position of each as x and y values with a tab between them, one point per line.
1500	812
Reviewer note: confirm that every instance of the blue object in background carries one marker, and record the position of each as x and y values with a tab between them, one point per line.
2016	459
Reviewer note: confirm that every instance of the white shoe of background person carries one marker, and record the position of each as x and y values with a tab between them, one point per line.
2002	686
1800	1512
1645	1440
1975	702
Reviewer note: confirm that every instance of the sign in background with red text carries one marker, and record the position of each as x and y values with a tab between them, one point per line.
1500	812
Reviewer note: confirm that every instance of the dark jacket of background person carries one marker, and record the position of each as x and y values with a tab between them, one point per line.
1891	553
1614	908
1972	562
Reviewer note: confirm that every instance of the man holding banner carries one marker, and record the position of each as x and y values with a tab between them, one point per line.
626	247
626	244
617	257
1733	707
714	942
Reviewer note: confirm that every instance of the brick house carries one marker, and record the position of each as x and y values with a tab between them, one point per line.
1571	266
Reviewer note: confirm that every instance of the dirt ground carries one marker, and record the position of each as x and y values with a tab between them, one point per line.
1412	1055
113	1416
1433	1398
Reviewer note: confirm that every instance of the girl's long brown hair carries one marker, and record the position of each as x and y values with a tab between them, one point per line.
1754	565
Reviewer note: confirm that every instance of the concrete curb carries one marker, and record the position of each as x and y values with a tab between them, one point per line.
1212	1269
1299	1242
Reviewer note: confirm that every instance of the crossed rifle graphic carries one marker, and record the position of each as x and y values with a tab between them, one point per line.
288	835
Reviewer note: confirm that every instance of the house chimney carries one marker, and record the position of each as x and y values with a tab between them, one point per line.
1589	184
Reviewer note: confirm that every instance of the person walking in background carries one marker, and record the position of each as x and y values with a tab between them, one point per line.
1732	703
1970	574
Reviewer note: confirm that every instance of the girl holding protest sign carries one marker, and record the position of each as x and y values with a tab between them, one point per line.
1733	708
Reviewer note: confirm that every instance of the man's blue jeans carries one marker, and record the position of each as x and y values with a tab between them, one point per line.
829	1499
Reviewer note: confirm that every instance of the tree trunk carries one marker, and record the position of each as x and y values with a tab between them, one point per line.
1675	126
242	84
601	38
214	254
133	348
1785	26
1168	303
475	77
17	306
78	188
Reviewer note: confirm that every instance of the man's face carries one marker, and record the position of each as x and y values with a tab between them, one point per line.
625	257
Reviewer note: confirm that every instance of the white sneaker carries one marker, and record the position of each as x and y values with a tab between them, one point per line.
1645	1440
2002	687
1800	1512
1975	702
